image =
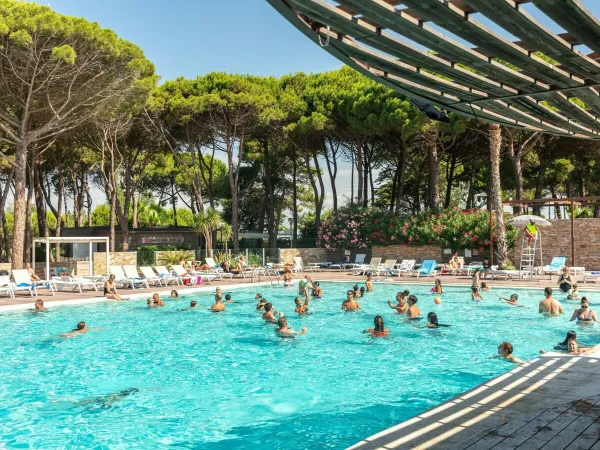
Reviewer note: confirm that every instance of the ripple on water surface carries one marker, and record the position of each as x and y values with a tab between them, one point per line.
193	379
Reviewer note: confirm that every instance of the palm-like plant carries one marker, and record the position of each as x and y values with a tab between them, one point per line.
205	224
226	233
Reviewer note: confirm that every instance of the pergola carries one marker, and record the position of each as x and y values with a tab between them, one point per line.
494	79
68	240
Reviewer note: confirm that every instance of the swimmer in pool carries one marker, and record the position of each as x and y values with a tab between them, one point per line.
287	277
369	283
219	293
584	315
317	292
574	349
432	321
269	314
484	286
401	307
257	296
174	294
475	294
413	310
260	306
437	289
550	306
39	305
106	401
512	300
350	304
157	301
81	329
219	306
505	350
228	298
379	330
301	308
356	290
284	331
193	304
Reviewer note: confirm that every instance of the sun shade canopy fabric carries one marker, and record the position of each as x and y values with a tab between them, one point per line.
540	81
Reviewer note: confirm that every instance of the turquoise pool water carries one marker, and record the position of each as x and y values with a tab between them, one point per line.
217	381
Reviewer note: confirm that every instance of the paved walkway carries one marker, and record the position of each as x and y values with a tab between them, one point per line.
552	402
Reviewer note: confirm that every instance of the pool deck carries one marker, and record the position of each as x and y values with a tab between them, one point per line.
552	402
23	301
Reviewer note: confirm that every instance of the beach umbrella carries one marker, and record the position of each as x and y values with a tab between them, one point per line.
522	221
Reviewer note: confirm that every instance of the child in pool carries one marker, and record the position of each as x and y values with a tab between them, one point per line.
437	289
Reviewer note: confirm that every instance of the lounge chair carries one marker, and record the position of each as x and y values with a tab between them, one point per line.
167	275
591	276
387	267
427	269
406	266
359	260
373	266
182	273
555	267
152	277
23	282
506	273
6	286
300	264
217	269
124	280
131	272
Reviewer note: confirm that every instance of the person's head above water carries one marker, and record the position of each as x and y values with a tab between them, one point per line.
316	283
81	325
350	294
548	292
268	307
39	302
355	288
193	303
227	296
379	327
362	290
257	296
432	318
369	276
572	345
438	282
514	297
406	292
483	285
584	303
174	293
412	299
505	349
298	301
282	322
570	335
262	301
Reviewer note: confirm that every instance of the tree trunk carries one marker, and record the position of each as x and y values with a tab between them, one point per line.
358	160
450	179
234	196
495	147
111	221
174	201
135	213
332	170
28	212
40	205
433	183
76	195
539	186
401	176
471	193
59	208
352	178
557	211
271	228
294	200
18	241
315	192
322	190
3	198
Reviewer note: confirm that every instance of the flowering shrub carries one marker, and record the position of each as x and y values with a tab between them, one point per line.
452	228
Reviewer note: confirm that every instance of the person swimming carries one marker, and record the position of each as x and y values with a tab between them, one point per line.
39	305
193	304
80	329
432	320
156	300
228	298
413	313
485	286
401	307
379	330
512	300
505	350
301	308
317	292
350	304
437	288
174	294
286	332
107	401
257	296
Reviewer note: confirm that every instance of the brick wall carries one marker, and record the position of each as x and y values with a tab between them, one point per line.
308	255
556	241
400	252
335	256
114	259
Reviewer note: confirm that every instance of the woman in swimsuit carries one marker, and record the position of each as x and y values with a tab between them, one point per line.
379	330
437	289
110	289
566	282
317	292
433	321
301	308
584	315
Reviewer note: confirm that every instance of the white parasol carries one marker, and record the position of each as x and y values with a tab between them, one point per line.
521	221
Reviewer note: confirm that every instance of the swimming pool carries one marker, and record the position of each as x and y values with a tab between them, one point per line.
196	379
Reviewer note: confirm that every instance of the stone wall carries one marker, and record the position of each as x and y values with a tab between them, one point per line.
308	255
114	259
556	241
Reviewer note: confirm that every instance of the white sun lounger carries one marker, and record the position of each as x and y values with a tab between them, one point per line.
373	266
123	280
182	273
23	282
217	269
591	276
168	276
406	266
6	286
152	277
131	273
387	267
359	260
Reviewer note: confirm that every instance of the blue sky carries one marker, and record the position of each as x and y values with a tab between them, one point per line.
194	37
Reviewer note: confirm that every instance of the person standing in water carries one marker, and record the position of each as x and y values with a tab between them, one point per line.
550	305
284	331
39	305
437	288
402	306
413	310
350	304
269	314
584	315
301	308
219	305
379	330
369	283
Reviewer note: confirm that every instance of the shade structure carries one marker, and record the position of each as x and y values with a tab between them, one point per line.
441	53
525	219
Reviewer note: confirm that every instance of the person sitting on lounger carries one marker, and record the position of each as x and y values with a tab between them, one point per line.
531	231
454	262
584	315
110	289
31	273
239	268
